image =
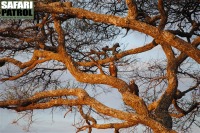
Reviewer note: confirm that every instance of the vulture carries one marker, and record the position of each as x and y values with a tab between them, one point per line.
113	69
133	88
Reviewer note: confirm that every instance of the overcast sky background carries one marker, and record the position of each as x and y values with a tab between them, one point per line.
43	119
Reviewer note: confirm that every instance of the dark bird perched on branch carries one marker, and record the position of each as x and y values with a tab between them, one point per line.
113	69
133	88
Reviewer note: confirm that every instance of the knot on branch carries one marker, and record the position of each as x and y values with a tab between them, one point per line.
178	94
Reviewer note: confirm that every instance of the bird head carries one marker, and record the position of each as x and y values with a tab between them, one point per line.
132	81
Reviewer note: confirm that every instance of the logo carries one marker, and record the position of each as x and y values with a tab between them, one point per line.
17	9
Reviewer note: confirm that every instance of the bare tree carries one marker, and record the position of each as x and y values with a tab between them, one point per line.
75	37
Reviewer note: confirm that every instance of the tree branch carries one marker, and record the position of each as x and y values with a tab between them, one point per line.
25	71
61	35
161	110
21	65
183	112
163	15
132	9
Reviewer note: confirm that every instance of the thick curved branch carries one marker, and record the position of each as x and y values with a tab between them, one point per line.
132	9
82	99
161	110
184	56
163	15
21	37
32	102
15	62
61	35
114	125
